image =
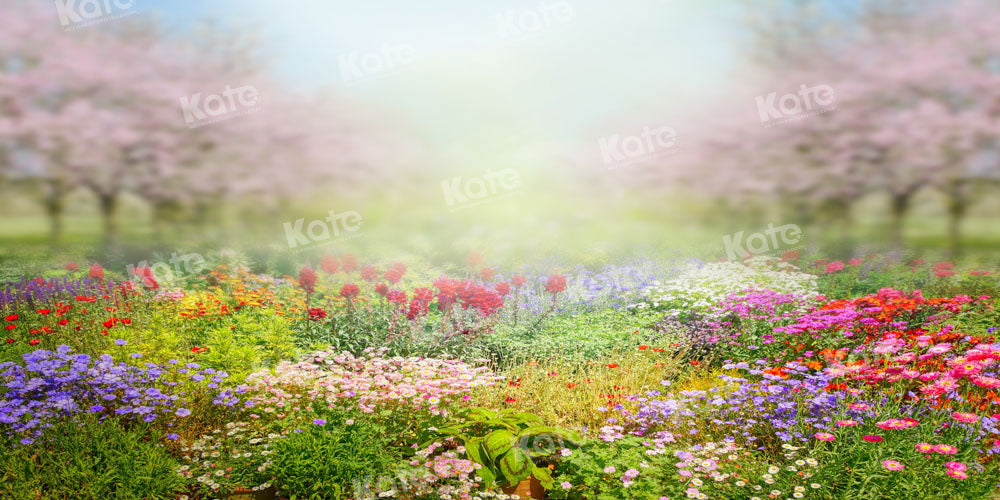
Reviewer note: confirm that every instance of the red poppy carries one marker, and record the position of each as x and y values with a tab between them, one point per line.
12	317
11	341
11	327
612	365
694	362
44	311
570	385
34	341
643	347
509	400
198	350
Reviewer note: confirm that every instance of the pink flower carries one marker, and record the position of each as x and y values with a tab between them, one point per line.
945	449
893	465
872	438
854	262
965	417
825	436
834	267
847	423
924	447
610	469
959	466
957	474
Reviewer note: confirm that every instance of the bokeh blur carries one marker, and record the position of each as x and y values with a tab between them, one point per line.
577	131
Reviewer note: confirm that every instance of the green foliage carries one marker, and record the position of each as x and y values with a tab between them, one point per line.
90	460
571	337
327	461
505	443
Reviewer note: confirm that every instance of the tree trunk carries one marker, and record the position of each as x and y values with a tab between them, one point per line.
109	204
900	204
957	207
839	216
54	209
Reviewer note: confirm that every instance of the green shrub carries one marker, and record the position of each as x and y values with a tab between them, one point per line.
325	460
92	460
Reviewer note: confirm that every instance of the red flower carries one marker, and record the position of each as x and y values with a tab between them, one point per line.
71	266
612	365
11	327
198	350
395	272
349	262
570	385
349	291
44	311
382	289
555	284
509	400
145	275
474	259
62	322
517	280
307	279
486	274
11	341
420	302
503	288
694	362
369	273
397	297
109	323
96	272
316	313
34	341
11	317
329	264
643	347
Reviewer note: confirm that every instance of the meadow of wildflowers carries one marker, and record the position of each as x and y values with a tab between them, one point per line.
381	380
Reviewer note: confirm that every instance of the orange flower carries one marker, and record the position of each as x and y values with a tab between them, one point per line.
612	365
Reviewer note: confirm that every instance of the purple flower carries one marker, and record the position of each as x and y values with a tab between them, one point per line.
182	412
173	437
120	342
319	421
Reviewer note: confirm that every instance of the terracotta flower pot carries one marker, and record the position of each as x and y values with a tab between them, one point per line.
529	488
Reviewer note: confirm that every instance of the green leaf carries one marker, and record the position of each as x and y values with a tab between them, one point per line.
498	442
543	476
515	466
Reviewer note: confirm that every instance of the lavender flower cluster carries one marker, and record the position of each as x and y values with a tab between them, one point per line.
35	292
587	290
789	408
54	385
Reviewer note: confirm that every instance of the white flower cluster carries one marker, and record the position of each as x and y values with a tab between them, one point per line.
701	286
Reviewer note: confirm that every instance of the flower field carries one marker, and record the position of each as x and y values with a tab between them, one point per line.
768	378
